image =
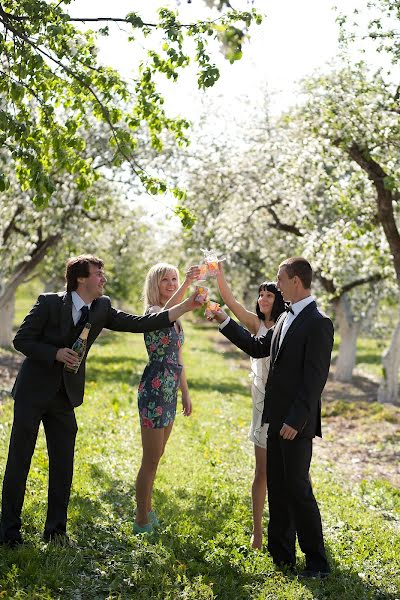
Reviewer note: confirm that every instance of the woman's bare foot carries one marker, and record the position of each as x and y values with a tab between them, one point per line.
256	541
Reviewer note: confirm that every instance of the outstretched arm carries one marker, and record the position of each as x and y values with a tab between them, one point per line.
238	335
120	321
248	318
180	309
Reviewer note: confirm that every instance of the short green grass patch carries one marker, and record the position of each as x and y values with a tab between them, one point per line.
202	497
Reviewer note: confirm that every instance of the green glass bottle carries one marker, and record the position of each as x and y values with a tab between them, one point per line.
79	346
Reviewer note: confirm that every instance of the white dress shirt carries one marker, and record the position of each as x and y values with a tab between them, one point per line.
297	307
77	304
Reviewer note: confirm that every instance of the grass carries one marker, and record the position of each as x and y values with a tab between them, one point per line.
202	496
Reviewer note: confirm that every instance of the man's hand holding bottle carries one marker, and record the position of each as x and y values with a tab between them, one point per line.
67	356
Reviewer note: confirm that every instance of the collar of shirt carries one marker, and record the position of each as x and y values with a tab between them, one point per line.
297	307
78	302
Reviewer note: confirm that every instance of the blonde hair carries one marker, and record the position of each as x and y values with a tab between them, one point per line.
151	289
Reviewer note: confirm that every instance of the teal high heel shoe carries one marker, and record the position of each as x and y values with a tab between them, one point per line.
148	528
153	519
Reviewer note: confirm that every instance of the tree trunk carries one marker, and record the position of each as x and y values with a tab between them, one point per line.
7	309
7	291
389	386
348	330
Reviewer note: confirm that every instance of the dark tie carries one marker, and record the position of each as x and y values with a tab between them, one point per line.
84	317
289	309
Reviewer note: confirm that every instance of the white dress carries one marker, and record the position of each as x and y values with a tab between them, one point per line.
259	374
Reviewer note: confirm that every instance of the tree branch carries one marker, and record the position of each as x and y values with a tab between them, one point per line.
337	293
385	198
65	68
11	226
370	279
26	267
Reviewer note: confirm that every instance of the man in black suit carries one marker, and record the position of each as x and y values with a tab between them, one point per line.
45	391
300	348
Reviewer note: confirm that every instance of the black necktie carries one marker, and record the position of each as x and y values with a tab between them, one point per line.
289	309
84	317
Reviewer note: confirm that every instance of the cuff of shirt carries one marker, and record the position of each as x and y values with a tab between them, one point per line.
224	323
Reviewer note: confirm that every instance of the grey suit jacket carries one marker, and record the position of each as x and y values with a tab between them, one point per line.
47	328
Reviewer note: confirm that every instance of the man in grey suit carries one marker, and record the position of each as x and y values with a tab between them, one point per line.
45	392
300	348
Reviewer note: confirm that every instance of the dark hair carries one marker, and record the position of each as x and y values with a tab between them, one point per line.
297	265
278	306
79	266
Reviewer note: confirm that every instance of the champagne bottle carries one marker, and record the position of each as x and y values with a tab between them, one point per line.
79	346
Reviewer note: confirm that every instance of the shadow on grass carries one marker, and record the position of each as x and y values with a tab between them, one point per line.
344	584
369	357
224	387
204	542
215	555
359	389
119	368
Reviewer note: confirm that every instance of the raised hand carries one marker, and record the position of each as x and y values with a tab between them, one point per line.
192	274
219	316
191	303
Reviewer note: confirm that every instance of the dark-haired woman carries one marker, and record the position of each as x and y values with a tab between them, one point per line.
269	306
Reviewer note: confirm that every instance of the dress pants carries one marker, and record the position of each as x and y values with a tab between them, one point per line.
60	428
292	505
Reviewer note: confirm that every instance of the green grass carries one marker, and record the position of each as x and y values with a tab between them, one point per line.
202	495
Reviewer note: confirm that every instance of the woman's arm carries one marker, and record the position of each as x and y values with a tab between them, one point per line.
248	318
180	292
186	402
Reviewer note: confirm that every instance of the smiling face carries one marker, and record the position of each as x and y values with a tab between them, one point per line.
92	287
168	285
266	301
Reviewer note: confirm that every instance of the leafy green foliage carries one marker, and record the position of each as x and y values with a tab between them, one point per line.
52	85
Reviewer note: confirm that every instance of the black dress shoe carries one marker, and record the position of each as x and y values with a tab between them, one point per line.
285	567
311	574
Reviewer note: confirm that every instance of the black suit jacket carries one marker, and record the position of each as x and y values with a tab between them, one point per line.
48	327
298	371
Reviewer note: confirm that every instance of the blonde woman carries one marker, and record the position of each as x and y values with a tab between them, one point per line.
269	306
164	374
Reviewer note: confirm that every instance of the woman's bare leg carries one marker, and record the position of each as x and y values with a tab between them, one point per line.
258	493
153	444
167	432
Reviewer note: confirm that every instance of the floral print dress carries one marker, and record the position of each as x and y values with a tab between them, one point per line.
158	388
